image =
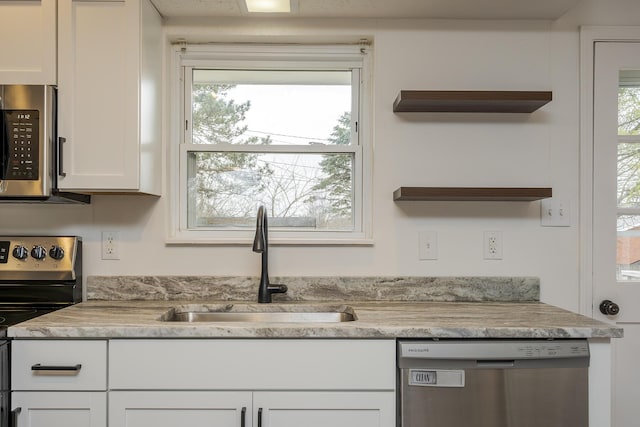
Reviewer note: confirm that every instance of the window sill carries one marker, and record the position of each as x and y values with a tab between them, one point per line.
273	241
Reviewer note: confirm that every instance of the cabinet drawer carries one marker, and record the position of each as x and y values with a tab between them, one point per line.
253	364
59	365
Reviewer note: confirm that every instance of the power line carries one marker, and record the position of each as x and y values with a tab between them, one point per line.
288	136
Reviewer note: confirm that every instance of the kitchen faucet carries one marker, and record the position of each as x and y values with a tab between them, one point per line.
261	245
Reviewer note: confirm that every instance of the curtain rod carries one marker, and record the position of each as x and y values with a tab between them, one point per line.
362	42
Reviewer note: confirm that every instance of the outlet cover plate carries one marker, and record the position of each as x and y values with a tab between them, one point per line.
492	245
428	249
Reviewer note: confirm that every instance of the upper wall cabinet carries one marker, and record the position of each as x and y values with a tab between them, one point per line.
109	90
28	42
469	101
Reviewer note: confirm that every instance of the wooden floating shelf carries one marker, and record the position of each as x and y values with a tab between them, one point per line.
451	101
416	194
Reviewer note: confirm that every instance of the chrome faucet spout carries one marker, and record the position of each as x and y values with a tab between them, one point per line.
261	245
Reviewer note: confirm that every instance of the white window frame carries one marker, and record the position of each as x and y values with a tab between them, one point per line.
301	57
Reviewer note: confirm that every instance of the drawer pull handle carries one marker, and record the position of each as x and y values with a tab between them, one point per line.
14	417
243	415
39	367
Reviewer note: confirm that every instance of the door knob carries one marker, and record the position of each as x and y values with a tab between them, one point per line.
609	308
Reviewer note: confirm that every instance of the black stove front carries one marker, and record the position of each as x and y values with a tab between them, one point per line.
38	275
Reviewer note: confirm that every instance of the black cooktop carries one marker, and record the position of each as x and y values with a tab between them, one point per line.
13	316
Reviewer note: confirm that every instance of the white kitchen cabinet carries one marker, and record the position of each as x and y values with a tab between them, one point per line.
252	364
109	92
59	409
179	408
239	382
59	383
281	383
28	48
75	365
321	409
246	409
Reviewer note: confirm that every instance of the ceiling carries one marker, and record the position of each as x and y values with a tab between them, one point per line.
431	9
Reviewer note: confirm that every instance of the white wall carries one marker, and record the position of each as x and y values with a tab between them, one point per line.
411	150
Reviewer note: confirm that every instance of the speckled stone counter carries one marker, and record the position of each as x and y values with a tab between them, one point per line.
400	307
208	288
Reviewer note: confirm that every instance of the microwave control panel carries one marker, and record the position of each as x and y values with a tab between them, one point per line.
23	131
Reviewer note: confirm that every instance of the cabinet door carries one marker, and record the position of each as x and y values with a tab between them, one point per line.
28	48
60	409
99	94
179	408
322	409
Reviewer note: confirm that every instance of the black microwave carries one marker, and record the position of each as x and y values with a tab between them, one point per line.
30	155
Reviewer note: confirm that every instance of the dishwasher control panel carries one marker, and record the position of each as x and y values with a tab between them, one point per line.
493	349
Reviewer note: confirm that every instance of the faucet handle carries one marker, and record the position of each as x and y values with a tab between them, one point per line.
277	289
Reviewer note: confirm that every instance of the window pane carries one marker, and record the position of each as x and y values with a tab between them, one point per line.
300	191
629	103
629	175
629	139
270	107
628	248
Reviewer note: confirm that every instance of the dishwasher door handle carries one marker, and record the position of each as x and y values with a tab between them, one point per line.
495	364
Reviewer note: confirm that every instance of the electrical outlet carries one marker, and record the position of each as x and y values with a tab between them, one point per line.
428	241
492	247
110	245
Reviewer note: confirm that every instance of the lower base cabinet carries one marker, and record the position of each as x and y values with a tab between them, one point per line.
322	409
250	409
59	409
203	382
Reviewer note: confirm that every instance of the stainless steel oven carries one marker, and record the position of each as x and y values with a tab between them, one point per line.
31	157
502	383
38	274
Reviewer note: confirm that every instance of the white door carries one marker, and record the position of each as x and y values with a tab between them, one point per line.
323	409
179	408
60	409
616	214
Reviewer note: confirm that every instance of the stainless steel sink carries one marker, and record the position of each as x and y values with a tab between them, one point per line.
259	313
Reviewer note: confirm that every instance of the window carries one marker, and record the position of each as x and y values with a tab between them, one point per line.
628	176
279	126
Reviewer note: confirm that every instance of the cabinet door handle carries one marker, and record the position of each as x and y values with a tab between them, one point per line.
60	166
13	422
72	368
243	415
259	417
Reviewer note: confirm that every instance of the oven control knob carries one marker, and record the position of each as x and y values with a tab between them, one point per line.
56	252
20	252
38	252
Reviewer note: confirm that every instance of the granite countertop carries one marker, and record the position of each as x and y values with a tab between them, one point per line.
386	307
141	319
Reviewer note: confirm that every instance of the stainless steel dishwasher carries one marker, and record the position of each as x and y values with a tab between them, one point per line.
493	383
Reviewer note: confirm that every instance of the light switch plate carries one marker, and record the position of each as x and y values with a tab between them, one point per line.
555	213
428	241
